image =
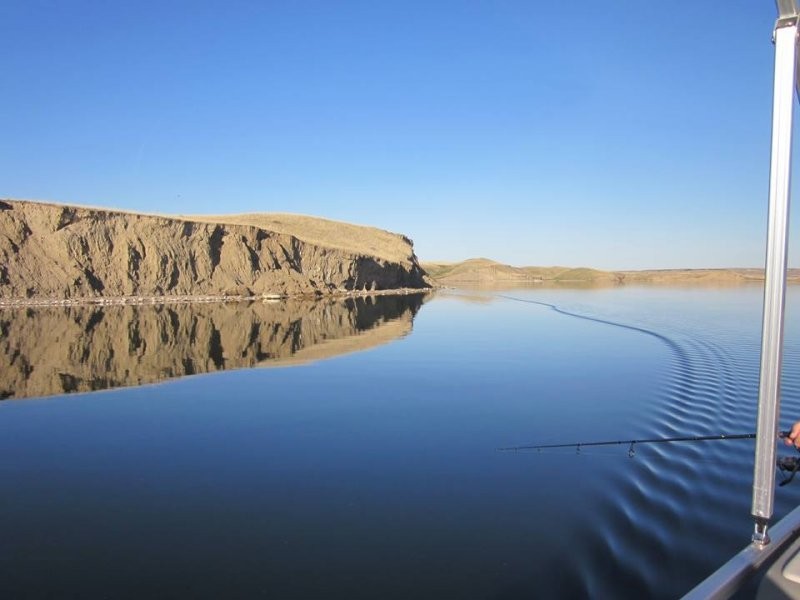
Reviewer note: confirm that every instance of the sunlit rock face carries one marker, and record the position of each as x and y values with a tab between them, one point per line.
60	252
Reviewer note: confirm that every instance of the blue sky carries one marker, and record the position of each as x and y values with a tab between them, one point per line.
534	133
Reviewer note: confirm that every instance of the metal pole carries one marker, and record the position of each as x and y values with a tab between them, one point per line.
775	284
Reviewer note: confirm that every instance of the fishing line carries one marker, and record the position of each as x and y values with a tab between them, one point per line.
684	373
561	311
785	464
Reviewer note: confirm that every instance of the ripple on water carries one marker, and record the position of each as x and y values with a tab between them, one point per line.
668	519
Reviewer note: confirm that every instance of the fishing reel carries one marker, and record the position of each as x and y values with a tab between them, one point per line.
790	465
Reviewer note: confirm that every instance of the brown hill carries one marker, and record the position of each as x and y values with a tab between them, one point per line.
70	252
475	270
485	271
700	276
482	271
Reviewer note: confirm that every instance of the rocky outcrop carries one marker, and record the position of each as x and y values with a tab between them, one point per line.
58	350
68	252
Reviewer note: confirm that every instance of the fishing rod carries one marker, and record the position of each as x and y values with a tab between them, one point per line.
632	443
786	464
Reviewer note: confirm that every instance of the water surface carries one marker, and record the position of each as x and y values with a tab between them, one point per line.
375	473
53	350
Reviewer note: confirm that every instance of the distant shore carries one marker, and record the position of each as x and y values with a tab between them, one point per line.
482	271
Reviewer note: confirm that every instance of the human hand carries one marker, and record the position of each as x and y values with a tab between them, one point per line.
793	439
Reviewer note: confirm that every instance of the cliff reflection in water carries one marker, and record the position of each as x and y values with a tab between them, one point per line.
57	350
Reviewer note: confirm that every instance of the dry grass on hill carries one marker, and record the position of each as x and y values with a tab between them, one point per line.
485	271
355	239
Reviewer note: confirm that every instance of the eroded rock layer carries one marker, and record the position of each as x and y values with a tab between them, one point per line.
67	252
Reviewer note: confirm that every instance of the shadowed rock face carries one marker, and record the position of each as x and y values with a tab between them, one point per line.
57	350
66	252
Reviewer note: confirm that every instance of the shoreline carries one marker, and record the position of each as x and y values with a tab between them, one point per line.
206	299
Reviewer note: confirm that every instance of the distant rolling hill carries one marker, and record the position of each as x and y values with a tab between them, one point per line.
483	271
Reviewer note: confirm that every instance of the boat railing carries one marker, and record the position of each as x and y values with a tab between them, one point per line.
730	578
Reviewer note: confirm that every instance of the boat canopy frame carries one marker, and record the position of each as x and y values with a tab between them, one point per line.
769	388
730	578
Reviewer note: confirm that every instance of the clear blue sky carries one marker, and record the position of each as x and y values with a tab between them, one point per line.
597	134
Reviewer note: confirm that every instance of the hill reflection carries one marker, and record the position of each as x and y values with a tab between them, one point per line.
58	350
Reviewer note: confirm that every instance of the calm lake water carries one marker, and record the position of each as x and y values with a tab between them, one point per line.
348	449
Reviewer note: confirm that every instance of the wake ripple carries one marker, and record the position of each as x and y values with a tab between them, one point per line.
682	509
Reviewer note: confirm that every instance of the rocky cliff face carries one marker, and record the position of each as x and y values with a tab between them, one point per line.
67	252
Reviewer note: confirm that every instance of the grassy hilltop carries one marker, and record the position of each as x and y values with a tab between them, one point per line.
483	271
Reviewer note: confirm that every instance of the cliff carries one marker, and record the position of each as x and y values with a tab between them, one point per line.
67	252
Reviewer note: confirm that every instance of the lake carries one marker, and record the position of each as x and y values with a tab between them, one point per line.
348	449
